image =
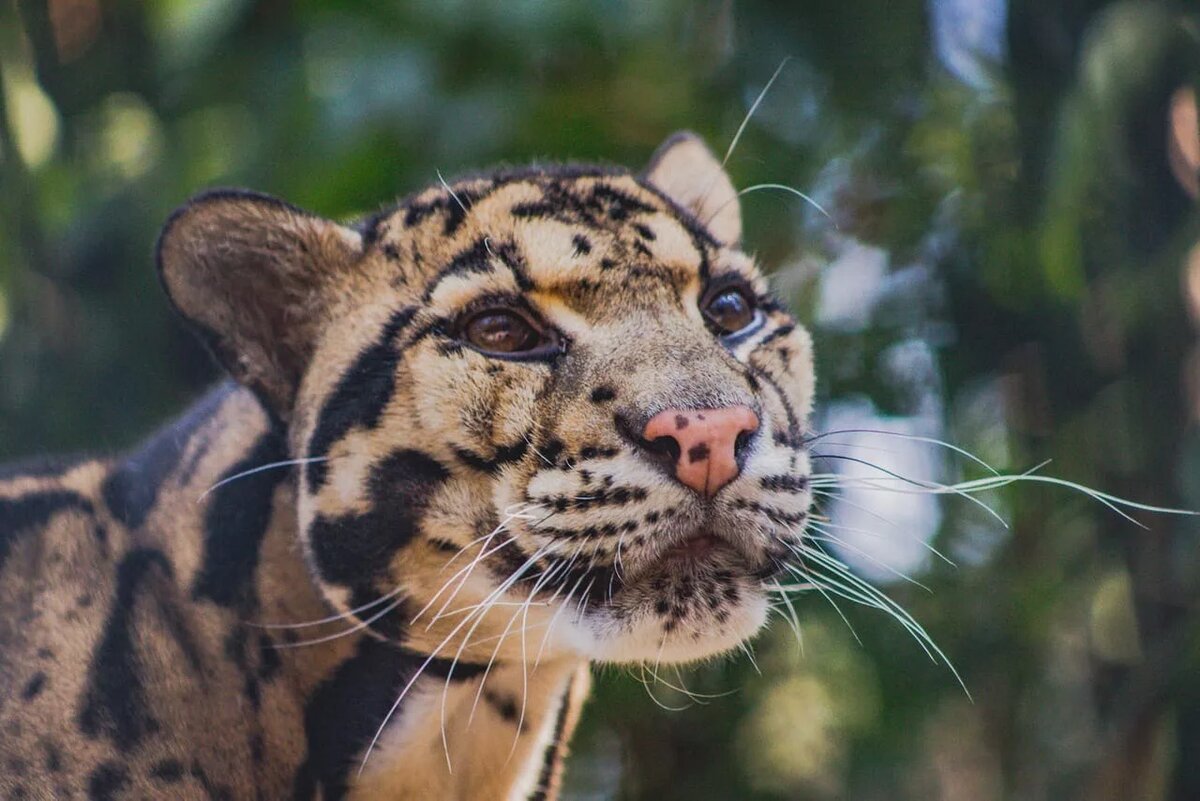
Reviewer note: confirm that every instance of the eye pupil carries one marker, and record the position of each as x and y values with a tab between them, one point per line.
730	311
500	331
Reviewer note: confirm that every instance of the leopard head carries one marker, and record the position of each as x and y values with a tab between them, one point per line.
557	402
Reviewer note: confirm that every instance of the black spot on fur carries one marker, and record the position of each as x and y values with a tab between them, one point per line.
114	704
552	450
603	393
644	231
582	245
505	454
359	398
54	761
106	781
235	523
169	771
34	686
445	546
353	549
27	513
345	711
504	704
784	483
214	791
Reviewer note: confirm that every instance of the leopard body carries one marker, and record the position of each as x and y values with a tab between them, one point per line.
378	561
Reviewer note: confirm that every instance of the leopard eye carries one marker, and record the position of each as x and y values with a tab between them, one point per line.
504	332
730	310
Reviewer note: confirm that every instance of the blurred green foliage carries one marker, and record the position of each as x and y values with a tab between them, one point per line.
997	172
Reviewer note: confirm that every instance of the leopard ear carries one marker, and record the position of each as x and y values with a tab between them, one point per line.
256	277
686	171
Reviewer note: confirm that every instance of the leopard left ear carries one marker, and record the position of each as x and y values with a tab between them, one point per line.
257	278
686	171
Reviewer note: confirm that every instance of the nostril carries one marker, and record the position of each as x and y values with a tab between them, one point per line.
665	448
742	443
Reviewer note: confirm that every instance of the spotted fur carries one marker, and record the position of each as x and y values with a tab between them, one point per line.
409	610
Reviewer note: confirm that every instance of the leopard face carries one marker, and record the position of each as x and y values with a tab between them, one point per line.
549	411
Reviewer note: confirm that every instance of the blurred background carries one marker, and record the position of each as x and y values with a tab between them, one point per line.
1009	263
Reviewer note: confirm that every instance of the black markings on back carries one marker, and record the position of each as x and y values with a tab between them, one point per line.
353	549
40	466
106	781
359	398
114	704
33	688
169	771
132	488
27	513
235	523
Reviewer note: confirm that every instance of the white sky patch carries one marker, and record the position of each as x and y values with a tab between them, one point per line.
881	531
968	37
850	286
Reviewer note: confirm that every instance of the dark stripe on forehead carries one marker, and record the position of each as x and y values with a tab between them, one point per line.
475	258
478	258
360	396
454	205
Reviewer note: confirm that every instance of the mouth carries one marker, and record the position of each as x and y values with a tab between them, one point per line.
702	552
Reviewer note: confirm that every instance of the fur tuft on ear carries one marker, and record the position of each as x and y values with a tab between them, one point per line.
255	276
686	171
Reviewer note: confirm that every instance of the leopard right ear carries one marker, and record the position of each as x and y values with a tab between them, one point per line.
256	277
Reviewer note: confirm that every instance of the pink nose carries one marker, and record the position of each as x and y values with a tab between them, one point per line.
708	441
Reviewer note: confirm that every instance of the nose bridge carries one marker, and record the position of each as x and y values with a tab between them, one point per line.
708	443
672	362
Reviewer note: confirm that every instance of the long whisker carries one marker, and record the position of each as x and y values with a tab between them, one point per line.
914	437
929	485
737	137
457	199
261	468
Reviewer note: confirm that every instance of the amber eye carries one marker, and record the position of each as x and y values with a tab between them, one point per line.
730	310
501	331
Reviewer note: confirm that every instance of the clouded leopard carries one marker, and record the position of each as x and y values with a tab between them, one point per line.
512	425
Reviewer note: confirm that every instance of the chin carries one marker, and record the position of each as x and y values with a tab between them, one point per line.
674	617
